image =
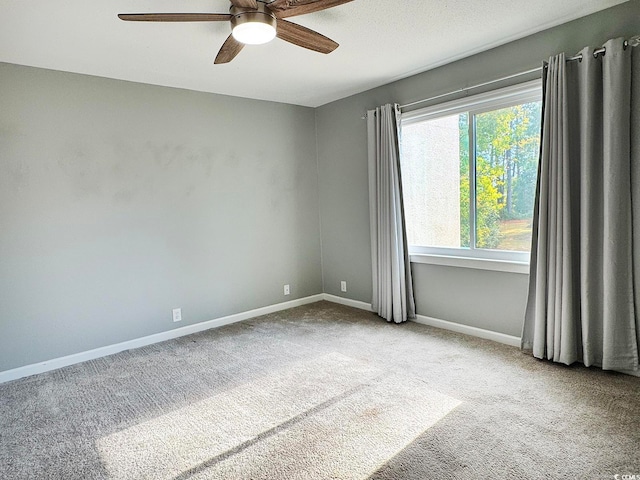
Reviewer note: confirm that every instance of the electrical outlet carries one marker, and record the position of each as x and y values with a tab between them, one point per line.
177	314
287	290
343	286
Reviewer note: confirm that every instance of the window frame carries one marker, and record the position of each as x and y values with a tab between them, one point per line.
473	257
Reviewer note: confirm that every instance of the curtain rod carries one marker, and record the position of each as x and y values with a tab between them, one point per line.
633	42
460	90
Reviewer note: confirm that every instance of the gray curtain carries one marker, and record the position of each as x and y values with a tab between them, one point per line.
582	300
391	270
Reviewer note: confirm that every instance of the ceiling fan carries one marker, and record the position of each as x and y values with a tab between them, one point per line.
254	22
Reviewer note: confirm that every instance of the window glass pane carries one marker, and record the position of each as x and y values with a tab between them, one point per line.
463	125
435	181
507	146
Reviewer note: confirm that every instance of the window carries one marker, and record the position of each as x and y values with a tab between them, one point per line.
469	170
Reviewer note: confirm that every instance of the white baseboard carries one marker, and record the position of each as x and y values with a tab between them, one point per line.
60	362
435	322
347	301
466	329
67	360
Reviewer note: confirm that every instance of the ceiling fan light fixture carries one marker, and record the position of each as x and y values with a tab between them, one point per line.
253	27
254	33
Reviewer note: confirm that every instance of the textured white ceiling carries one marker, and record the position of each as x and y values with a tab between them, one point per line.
380	41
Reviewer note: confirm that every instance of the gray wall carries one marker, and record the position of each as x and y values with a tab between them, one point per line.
121	201
490	300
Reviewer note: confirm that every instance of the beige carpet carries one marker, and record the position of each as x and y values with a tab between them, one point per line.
316	392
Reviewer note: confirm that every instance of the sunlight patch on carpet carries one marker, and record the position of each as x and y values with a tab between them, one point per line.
328	417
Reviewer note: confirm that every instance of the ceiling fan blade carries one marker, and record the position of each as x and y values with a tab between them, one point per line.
291	8
174	17
304	37
230	48
245	4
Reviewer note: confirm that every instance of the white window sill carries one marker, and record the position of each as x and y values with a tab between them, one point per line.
469	262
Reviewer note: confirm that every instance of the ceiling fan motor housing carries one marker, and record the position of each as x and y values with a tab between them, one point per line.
248	15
